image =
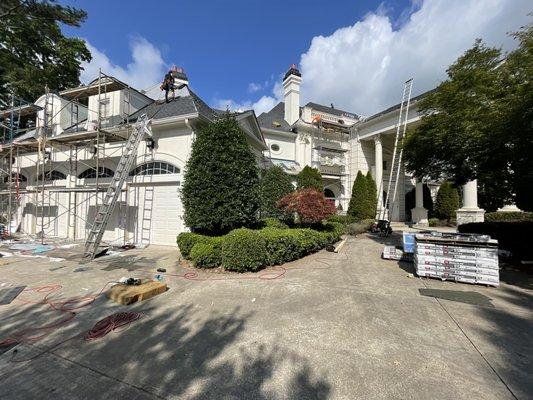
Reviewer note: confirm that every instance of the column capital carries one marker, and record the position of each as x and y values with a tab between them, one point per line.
377	138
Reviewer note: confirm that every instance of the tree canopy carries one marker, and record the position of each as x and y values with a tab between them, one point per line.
447	201
34	53
477	123
221	188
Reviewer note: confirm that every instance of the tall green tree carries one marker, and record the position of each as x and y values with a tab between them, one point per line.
34	53
221	189
372	196
275	184
358	206
447	201
310	178
477	123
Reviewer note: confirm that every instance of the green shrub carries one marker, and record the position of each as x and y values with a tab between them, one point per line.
310	177
512	236
447	201
362	205
508	216
275	184
187	240
434	222
274	223
359	227
221	189
371	196
244	250
207	254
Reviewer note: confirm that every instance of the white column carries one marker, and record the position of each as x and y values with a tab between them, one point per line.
470	194
470	212
378	150
419	214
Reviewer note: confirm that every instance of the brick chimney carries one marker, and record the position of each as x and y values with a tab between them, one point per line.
291	95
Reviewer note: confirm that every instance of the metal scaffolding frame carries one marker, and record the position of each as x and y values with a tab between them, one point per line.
333	132
45	149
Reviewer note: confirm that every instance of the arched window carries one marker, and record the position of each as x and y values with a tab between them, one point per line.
91	173
155	168
328	194
53	176
14	176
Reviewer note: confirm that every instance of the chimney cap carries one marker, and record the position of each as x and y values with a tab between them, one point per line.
179	73
293	70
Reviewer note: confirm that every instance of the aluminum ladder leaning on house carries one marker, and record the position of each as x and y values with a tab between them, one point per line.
115	186
396	163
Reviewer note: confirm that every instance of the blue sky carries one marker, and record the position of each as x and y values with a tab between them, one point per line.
354	54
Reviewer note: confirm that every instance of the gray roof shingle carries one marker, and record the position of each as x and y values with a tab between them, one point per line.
275	118
331	110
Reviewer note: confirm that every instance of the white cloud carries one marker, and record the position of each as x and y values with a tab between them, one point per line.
265	103
361	68
146	69
254	87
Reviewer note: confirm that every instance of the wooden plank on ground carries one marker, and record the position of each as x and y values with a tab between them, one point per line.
128	294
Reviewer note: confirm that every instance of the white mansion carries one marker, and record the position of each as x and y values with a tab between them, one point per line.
57	183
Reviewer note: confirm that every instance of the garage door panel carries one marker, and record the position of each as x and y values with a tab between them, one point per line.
160	204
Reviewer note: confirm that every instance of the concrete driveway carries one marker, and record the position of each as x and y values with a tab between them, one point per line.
330	326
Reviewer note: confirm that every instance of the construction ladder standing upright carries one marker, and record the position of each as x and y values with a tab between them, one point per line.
113	191
396	163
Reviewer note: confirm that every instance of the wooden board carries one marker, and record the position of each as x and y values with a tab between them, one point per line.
128	294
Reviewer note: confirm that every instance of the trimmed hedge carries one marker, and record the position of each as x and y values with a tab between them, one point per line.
187	240
245	249
207	254
341	219
513	236
508	216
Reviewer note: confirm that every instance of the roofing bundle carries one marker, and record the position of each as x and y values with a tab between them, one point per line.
457	257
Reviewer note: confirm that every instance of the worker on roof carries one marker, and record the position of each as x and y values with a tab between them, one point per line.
168	85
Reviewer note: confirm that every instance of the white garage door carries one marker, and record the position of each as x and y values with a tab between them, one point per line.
155	213
166	220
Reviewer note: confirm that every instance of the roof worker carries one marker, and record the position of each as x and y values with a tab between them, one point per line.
168	85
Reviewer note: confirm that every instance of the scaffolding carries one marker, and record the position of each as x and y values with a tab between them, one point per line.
40	138
330	153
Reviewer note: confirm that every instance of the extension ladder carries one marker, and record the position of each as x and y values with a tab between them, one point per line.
396	163
113	191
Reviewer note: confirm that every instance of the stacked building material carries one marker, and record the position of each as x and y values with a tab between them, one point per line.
457	257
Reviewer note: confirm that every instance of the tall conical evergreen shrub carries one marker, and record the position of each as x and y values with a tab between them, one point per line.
358	202
310	178
275	184
447	201
221	188
372	196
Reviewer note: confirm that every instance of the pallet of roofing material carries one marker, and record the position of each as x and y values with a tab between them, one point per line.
459	261
457	257
430	249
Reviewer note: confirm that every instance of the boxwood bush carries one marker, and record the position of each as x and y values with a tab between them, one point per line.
245	249
207	254
187	240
